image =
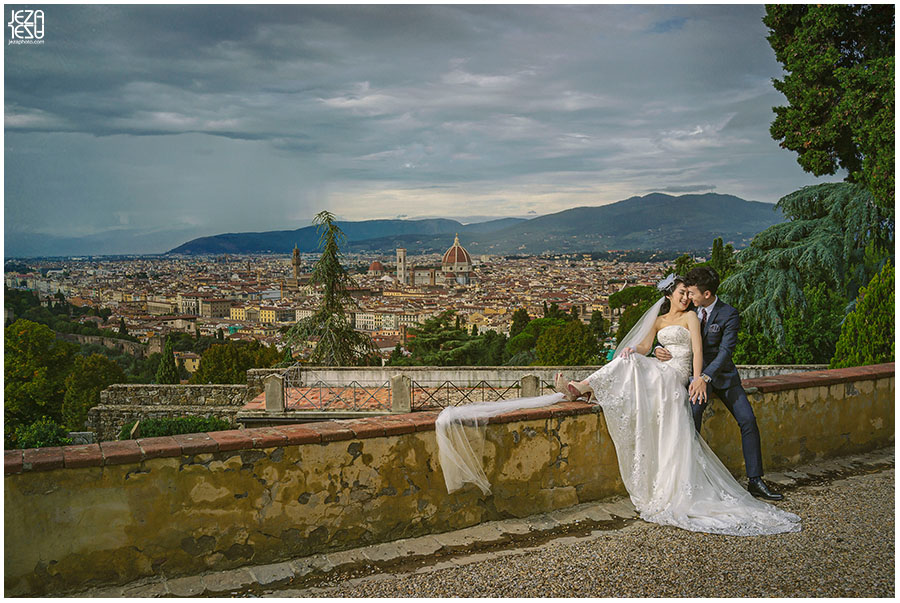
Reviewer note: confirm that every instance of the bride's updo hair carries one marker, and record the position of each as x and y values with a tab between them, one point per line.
667	287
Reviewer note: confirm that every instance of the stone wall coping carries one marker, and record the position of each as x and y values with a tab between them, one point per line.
235	386
819	378
133	451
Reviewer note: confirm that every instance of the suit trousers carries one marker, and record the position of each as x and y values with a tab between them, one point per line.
735	400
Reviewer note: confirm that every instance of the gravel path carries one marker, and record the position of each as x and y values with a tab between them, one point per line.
846	549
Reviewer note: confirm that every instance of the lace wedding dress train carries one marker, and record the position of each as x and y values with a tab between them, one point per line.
671	474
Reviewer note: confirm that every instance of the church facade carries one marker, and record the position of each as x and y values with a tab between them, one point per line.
455	269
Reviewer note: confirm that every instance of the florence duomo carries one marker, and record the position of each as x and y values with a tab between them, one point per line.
455	269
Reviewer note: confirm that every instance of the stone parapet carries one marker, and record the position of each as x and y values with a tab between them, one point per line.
256	380
120	404
173	395
497	375
106	421
114	512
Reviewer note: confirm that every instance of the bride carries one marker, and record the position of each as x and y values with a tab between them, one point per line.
671	474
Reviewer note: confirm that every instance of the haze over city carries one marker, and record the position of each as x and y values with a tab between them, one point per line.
140	128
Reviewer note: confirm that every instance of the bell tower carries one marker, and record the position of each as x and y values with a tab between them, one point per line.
401	266
295	262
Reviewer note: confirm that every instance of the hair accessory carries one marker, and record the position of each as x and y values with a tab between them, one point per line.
667	282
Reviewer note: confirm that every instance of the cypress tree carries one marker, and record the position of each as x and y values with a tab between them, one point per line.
167	373
867	336
520	320
339	344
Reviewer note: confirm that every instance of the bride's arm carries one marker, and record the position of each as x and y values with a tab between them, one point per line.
696	343
643	348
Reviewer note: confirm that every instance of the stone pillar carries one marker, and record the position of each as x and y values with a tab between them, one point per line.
531	386
401	394
274	385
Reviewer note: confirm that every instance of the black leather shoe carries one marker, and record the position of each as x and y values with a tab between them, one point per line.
759	489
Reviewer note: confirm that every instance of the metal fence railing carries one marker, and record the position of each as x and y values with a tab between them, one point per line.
316	389
305	390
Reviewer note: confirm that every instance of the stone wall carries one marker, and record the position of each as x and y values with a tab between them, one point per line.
495	375
78	516
120	404
255	379
123	345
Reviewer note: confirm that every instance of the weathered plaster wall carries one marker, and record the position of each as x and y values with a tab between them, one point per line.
117	511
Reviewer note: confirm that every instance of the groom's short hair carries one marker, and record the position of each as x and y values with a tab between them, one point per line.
704	278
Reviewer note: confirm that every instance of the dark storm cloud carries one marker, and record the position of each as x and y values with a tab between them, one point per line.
243	117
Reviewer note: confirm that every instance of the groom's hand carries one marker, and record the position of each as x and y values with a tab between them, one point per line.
662	354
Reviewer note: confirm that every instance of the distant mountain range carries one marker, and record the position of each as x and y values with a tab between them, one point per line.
654	221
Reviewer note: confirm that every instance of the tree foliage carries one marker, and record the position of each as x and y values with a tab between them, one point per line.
167	426
631	315
683	264
839	65
229	362
338	343
633	295
554	311
167	372
89	376
525	342
35	364
835	234
520	320
39	434
59	315
811	331
867	336
722	259
439	342
570	344
598	325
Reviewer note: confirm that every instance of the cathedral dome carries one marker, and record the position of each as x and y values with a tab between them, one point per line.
376	267
456	255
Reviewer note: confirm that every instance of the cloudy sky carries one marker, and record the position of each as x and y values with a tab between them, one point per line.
164	123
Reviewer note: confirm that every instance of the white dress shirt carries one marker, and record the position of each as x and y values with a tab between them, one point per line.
708	309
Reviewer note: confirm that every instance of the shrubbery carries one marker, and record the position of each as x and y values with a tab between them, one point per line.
43	432
867	336
166	426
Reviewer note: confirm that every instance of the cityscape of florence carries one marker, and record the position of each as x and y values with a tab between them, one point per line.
297	301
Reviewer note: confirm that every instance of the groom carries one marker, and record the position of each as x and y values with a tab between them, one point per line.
719	325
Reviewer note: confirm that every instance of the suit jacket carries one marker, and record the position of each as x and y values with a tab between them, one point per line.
720	337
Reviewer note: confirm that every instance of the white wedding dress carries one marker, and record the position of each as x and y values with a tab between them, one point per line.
671	474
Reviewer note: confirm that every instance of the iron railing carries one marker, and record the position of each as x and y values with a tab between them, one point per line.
433	395
305	390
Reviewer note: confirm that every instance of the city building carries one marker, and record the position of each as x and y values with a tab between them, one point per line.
215	308
456	265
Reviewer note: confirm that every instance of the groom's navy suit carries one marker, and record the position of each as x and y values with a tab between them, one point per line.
720	336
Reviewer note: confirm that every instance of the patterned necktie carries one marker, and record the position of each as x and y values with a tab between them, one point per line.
703	318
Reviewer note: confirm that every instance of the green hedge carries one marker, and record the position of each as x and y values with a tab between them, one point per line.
43	432
166	426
